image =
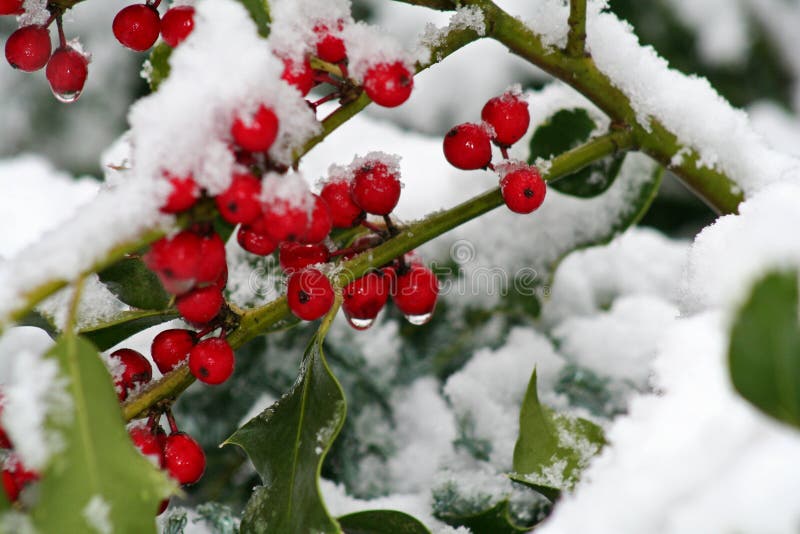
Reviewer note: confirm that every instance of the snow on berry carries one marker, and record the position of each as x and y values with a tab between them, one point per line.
212	361
320	222
136	371
28	48
298	74
137	26
184	458
522	187
467	146
292	32
330	46
375	188
176	24
183	195
256	133
389	84
146	441
288	205
171	347
309	294
509	117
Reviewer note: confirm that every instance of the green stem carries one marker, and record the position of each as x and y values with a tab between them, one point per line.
576	38
256	321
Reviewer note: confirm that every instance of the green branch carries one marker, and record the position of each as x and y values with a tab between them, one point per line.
576	38
258	320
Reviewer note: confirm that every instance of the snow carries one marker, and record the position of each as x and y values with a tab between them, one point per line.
96	512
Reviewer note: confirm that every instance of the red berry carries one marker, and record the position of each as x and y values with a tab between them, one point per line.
211	262
66	71
240	202
11	7
10	486
147	442
320	224
467	147
375	188
29	48
508	115
365	298
200	305
137	27
136	369
176	24
414	291
345	213
258	133
523	189
16	477
184	194
212	361
330	48
171	347
5	442
310	294
294	256
284	220
184	459
388	84
255	242
176	260
300	76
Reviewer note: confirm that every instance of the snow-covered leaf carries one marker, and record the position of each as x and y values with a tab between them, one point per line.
98	482
259	12
567	129
552	449
106	335
287	443
381	522
765	347
496	520
134	284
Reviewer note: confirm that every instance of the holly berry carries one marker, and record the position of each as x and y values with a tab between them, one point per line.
66	71
309	294
300	76
200	305
240	202
375	188
508	115
467	146
5	442
16	477
184	194
365	298
171	347
320	223
211	262
176	24
11	7
255	242
345	213
28	48
330	48
523	190
258	133
388	84
211	361
136	370
414	291
146	441
284	220
294	256
184	459
137	26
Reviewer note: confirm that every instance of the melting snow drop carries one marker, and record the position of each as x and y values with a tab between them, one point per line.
67	97
419	320
360	324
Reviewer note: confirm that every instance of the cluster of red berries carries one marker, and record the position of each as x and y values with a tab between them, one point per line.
29	49
15	475
468	146
177	453
138	26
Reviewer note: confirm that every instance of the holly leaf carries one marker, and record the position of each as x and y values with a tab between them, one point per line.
37	319
99	481
287	443
159	64
764	353
381	522
126	324
259	12
552	449
496	520
134	284
565	130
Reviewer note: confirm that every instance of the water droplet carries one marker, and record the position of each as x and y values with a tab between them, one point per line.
67	98
419	320
360	324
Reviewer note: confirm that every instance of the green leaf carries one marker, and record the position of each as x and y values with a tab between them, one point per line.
98	468
287	444
552	449
259	12
106	335
764	352
495	520
34	318
159	64
381	522
134	284
565	130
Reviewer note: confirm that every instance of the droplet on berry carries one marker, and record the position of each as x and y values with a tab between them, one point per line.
212	361
309	294
184	194
330	47
171	347
301	76
66	71
137	26
388	84
255	242
375	188
295	256
240	202
257	133
467	146
414	292
200	305
136	370
509	117
365	298
523	189
176	24
184	459
345	213
28	48
11	7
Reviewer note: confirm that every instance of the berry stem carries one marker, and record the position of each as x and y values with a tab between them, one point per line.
62	40
576	38
390	225
326	98
504	152
373	227
173	426
327	78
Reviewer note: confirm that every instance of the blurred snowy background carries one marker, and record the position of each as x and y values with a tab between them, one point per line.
433	410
